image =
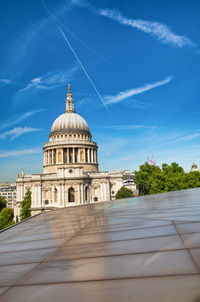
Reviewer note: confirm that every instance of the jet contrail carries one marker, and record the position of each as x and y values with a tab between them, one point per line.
73	51
83	68
71	33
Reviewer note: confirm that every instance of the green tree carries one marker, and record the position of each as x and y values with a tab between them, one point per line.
25	206
157	182
2	203
174	177
144	178
193	179
124	192
151	179
6	218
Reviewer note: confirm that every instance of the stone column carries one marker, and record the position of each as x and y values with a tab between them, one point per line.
51	151
79	155
43	198
59	195
18	192
101	192
68	155
92	155
81	193
62	156
84	155
22	192
88	194
108	190
53	194
33	195
66	196
73	161
36	188
63	195
39	197
89	155
57	156
95	156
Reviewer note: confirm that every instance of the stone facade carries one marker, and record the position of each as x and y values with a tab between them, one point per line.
70	175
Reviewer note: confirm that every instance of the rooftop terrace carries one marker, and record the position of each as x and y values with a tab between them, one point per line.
138	249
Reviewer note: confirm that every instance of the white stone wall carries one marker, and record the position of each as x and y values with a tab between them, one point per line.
50	191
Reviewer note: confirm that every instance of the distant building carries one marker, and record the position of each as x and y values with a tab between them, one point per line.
8	191
194	167
129	181
70	175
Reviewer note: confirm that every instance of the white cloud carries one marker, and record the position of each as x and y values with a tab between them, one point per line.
141	105
85	102
157	30
129	127
18	131
19	119
36	80
50	80
4	81
182	139
128	93
17	153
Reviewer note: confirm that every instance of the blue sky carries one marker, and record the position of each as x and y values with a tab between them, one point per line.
134	73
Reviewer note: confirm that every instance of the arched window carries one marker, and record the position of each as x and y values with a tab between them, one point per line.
71	195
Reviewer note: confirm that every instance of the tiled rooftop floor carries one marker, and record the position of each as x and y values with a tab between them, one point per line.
138	249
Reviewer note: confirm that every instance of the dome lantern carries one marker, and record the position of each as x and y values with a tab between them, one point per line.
69	103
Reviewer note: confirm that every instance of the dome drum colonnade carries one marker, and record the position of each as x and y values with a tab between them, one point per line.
70	155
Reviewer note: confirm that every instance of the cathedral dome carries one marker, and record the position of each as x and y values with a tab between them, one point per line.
69	121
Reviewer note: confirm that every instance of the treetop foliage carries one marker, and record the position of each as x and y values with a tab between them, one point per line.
124	192
25	206
153	179
6	218
3	203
